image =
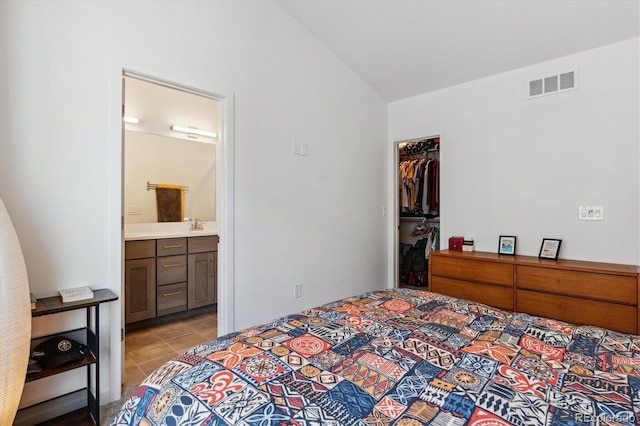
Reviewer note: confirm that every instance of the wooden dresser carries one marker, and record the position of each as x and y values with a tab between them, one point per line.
579	292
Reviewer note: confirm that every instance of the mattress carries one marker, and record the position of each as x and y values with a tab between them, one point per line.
398	357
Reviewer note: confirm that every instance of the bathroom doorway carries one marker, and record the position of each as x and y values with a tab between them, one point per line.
188	124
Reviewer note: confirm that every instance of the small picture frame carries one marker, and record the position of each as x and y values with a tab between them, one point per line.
549	248
507	245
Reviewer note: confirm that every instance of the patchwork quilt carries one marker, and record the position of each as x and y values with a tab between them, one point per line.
398	357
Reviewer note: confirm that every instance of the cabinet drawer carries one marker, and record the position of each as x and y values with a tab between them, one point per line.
493	295
171	246
578	311
609	288
139	249
473	270
171	269
202	244
172	298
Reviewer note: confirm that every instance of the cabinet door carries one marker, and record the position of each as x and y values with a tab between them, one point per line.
140	289
202	279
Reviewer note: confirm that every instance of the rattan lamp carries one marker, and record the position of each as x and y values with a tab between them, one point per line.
15	319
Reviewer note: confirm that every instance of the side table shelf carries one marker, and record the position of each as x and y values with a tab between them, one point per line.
54	305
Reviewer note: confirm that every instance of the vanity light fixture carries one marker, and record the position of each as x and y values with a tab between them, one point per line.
192	131
131	120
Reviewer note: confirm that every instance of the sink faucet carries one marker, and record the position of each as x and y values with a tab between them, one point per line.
196	225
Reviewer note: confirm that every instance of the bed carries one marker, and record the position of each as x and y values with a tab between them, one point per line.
398	357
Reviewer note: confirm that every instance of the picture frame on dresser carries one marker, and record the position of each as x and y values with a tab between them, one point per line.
550	248
507	245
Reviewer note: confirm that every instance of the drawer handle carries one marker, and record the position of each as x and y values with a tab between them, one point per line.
173	265
172	293
173	246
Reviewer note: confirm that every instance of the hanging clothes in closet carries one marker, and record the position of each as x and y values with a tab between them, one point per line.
419	187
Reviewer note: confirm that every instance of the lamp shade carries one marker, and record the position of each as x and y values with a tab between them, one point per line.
15	319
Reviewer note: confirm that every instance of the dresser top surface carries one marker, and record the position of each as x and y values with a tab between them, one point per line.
520	260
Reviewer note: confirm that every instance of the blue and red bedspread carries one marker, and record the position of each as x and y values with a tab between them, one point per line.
398	357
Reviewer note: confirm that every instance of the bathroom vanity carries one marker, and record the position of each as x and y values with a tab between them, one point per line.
169	271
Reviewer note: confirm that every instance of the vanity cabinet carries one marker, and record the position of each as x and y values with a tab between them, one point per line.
140	280
169	275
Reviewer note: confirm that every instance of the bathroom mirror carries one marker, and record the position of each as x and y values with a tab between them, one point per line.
155	154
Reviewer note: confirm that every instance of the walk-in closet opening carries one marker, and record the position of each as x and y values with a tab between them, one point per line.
418	204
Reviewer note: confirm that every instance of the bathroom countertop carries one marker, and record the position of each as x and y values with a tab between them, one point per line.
153	231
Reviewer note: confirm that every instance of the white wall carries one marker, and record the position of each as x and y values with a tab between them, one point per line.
513	166
159	159
313	220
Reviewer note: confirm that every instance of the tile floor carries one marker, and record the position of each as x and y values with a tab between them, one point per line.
148	348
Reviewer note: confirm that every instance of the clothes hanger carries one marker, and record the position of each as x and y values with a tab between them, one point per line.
419	229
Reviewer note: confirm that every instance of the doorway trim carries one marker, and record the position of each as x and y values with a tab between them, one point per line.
225	149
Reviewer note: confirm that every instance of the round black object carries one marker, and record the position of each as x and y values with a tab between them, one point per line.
57	351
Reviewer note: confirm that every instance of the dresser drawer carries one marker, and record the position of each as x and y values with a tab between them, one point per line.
578	311
609	288
203	244
472	270
171	298
493	295
171	269
171	246
139	249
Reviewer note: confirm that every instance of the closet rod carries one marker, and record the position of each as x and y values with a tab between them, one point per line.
151	186
419	219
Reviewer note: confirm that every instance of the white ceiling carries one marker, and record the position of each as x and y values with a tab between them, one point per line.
403	48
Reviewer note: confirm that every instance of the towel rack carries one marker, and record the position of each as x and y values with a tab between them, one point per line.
151	186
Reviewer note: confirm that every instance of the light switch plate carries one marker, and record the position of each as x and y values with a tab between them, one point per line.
590	213
297	291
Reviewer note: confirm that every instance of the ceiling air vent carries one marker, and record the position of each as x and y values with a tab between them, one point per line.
552	84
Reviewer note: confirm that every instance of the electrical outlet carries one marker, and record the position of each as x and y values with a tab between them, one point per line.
297	291
134	211
598	213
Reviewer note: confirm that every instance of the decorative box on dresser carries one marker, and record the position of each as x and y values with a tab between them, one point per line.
580	292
